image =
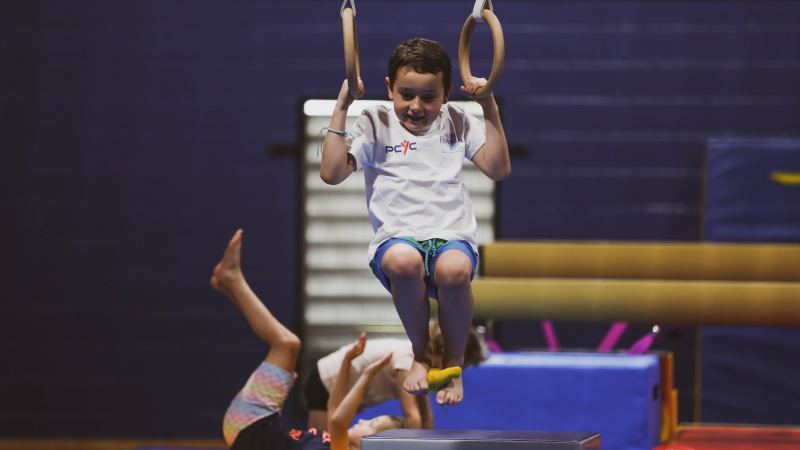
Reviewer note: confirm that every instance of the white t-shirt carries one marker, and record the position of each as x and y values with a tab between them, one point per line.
413	183
384	385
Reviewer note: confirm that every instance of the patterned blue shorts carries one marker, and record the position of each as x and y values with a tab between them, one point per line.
430	250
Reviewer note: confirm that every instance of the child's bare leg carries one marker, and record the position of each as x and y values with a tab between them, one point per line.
227	278
403	265
453	281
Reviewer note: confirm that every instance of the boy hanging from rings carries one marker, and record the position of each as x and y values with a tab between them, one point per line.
412	156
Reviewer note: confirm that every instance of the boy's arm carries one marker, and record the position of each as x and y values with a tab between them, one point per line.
341	417
337	163
492	158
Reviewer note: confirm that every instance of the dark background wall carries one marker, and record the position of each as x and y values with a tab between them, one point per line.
135	136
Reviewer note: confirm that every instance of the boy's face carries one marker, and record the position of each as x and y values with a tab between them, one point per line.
417	98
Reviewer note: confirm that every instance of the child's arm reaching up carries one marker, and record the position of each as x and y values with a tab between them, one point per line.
337	163
425	412
343	379
343	404
492	159
412	408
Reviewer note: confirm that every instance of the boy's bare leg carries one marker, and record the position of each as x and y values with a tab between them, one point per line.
454	288
403	265
227	278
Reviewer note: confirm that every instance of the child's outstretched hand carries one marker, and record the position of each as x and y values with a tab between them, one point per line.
472	85
344	98
376	367
358	347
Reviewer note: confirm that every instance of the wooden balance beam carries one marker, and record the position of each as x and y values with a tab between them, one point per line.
730	284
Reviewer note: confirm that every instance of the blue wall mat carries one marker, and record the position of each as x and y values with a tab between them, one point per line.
615	395
746	201
750	374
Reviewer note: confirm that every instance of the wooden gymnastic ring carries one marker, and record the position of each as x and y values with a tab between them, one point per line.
352	66
499	51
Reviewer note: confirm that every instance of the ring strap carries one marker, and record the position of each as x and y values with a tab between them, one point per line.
477	9
352	6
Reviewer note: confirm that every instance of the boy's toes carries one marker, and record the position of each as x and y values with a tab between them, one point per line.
451	394
415	389
447	397
441	397
416	382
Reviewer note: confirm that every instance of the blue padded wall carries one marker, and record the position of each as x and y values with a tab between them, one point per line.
747	199
750	374
135	149
619	100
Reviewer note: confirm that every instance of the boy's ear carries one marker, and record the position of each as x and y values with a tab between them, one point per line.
388	88
447	93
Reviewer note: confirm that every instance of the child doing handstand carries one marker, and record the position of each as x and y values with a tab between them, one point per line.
252	422
412	156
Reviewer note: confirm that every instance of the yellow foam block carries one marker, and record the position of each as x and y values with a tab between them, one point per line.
439	378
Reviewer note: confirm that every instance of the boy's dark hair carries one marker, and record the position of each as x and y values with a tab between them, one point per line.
473	352
422	56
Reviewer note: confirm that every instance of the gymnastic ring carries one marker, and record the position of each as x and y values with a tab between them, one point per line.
352	66
499	51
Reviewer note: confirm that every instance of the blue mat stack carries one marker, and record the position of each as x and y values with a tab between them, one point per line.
615	395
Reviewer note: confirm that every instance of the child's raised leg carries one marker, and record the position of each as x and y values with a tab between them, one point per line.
404	267
453	277
227	278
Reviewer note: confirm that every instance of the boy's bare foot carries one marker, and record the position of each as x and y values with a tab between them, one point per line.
228	272
452	393
416	382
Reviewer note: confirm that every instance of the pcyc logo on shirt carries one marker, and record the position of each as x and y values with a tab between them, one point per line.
404	147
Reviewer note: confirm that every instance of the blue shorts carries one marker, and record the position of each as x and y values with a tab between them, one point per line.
430	251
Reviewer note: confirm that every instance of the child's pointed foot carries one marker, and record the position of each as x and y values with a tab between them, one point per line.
228	271
451	394
416	382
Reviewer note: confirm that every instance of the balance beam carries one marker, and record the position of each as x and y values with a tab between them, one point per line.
479	440
649	282
642	260
646	301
